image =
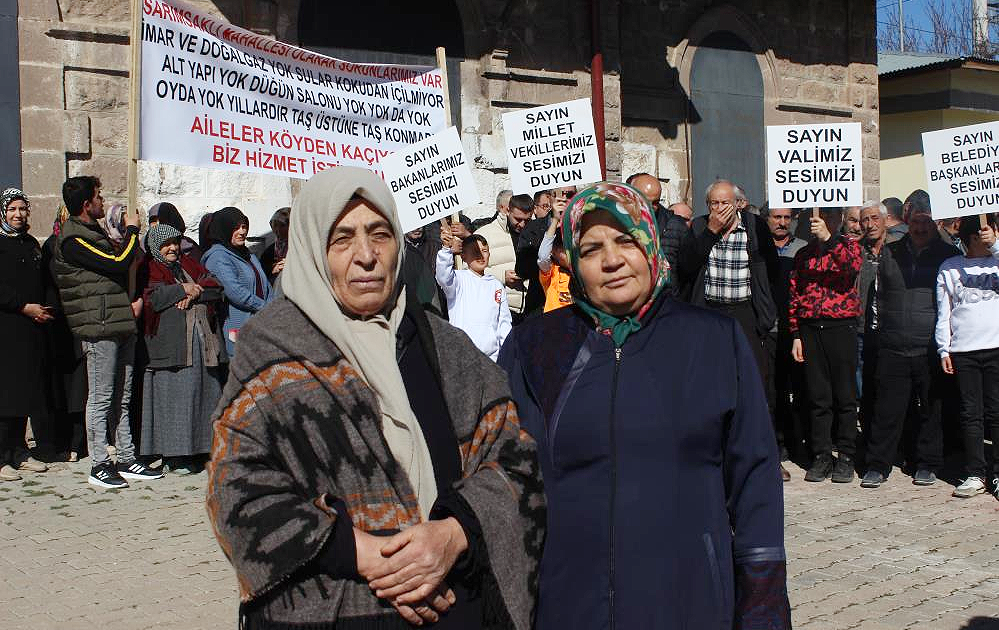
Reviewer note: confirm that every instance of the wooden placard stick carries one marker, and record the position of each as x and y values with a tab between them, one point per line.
442	64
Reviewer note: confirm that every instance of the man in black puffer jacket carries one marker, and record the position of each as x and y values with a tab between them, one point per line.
907	363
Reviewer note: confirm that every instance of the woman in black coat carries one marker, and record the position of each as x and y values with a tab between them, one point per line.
22	317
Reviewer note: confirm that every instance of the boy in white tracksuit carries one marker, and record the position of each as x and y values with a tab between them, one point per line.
476	303
967	335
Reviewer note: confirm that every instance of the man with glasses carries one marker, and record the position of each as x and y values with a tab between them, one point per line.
731	261
542	204
530	242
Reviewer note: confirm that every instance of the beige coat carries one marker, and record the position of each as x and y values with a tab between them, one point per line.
502	257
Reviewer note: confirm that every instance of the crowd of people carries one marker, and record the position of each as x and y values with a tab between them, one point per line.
120	339
840	304
654	366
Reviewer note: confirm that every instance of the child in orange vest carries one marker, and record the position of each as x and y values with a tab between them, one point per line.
553	268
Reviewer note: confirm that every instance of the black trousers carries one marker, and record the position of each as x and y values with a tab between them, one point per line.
978	382
786	394
830	350
867	354
743	313
11	437
900	379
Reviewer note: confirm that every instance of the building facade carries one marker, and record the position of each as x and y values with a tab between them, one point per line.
688	85
921	93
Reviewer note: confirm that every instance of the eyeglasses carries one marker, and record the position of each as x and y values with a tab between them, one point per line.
565	195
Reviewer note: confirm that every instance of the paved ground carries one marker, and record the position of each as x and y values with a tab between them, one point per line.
898	557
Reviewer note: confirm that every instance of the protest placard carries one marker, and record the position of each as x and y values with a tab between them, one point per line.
962	170
811	166
430	180
551	146
215	95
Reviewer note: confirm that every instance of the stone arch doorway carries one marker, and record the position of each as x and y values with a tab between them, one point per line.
727	92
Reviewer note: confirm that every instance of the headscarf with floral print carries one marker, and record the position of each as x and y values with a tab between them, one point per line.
635	215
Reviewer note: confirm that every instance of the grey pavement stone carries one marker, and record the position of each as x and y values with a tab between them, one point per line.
892	558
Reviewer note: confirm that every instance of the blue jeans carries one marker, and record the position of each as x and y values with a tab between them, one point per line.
109	381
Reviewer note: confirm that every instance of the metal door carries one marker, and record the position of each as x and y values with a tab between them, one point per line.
727	142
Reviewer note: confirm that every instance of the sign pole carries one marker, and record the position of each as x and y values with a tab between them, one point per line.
135	92
442	64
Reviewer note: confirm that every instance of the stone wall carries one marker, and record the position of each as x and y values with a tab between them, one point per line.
817	60
74	61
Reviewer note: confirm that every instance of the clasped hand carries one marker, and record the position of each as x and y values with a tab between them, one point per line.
408	569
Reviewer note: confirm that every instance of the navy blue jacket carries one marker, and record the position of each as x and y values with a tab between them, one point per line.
665	505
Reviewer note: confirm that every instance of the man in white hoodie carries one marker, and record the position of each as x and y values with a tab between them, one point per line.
967	335
476	301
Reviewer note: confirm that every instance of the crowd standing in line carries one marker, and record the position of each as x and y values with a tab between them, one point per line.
825	335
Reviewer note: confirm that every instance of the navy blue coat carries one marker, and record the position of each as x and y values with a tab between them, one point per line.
665	505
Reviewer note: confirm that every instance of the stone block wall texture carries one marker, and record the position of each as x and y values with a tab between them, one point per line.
817	60
74	58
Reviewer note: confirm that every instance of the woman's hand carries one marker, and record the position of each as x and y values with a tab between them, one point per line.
418	559
38	313
947	365
796	351
192	290
371	562
137	308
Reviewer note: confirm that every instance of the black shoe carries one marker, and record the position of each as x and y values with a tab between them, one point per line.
136	470
873	479
821	468
924	477
105	476
843	471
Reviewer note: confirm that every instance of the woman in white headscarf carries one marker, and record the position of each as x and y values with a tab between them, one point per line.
368	469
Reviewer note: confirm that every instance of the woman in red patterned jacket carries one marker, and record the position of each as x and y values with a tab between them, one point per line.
823	320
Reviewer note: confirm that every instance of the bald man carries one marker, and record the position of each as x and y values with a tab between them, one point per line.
683	211
649	186
672	227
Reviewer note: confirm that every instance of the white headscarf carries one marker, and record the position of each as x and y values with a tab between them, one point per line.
369	344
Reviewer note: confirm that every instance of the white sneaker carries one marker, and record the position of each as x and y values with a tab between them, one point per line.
972	486
24	461
8	473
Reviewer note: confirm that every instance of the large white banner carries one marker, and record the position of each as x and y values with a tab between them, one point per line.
215	95
430	180
811	166
551	146
962	170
